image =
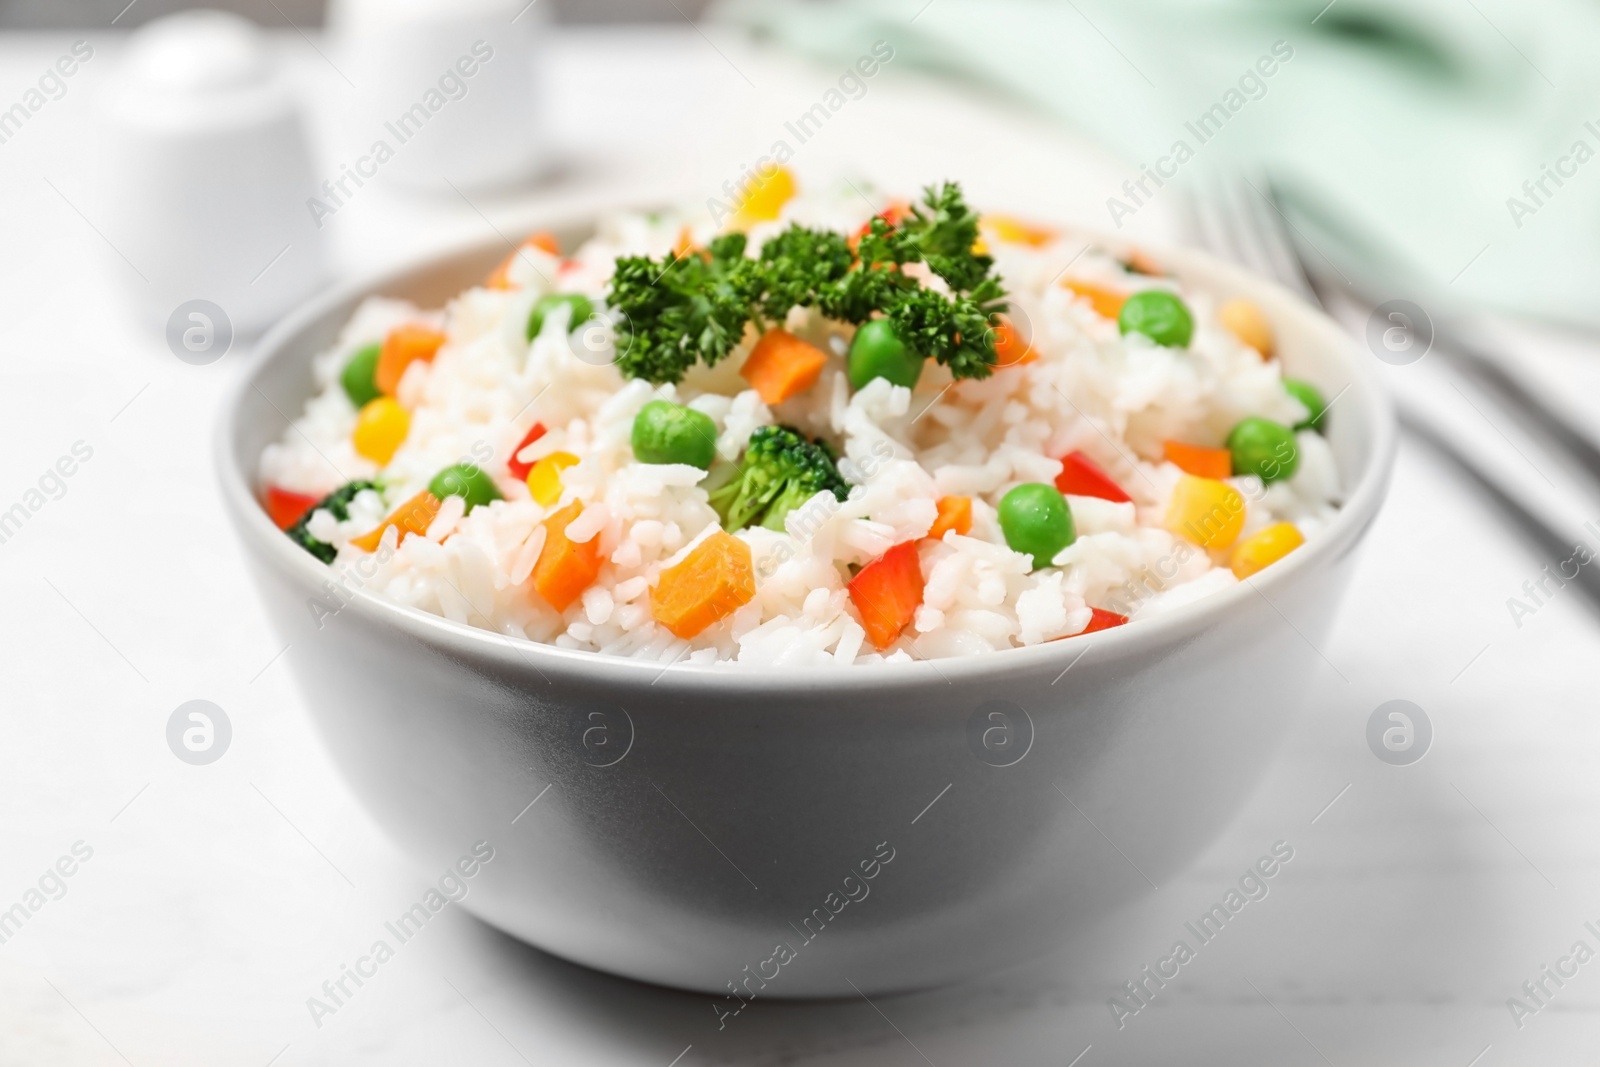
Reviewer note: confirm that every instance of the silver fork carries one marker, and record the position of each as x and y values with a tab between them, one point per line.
1243	221
1238	218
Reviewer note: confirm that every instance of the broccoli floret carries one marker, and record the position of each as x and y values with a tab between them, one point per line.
780	471
337	502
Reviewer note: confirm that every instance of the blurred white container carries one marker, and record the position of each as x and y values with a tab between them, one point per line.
209	168
448	87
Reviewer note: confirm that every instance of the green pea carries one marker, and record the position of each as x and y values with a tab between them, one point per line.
359	376
1263	448
1036	520
877	352
1311	397
664	432
1158	315
466	481
582	311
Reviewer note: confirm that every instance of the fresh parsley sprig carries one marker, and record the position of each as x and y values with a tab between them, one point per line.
694	308
679	310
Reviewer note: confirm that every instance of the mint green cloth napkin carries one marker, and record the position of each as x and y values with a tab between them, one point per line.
1444	150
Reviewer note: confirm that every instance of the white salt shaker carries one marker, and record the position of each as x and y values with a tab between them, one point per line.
209	171
445	91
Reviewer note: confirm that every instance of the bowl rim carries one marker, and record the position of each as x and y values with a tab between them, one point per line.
1169	630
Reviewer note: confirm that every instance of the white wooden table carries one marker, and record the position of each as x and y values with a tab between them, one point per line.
217	899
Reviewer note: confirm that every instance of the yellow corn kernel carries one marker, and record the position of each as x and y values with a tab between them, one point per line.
1017	231
763	200
1265	547
544	477
381	426
1246	321
1208	512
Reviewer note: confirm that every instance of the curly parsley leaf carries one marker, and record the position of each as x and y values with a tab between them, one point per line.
677	311
798	266
695	308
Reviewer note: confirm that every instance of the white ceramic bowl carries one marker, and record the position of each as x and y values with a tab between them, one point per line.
770	830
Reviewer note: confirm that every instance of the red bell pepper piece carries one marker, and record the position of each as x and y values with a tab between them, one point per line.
1100	619
896	213
287	508
887	593
519	470
1081	477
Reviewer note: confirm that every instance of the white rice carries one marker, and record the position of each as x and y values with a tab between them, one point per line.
1116	398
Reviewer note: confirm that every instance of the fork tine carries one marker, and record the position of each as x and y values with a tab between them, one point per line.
1209	217
1236	217
1272	232
1252	234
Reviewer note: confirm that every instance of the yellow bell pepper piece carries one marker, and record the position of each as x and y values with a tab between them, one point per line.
1017	231
544	477
1246	321
770	189
1265	547
1208	512
381	426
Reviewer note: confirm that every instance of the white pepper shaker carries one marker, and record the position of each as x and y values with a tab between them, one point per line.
209	172
446	93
